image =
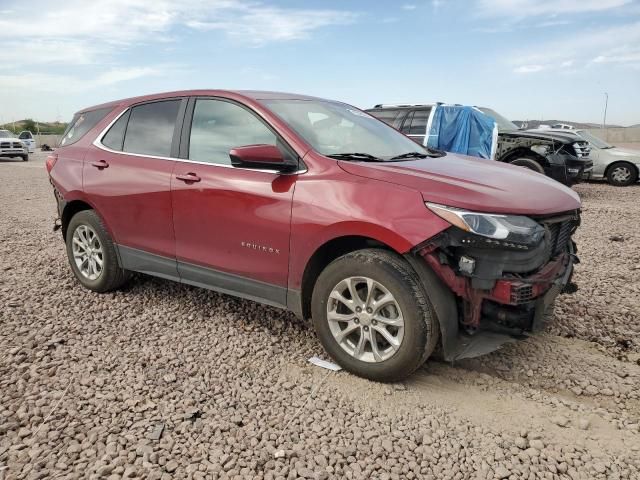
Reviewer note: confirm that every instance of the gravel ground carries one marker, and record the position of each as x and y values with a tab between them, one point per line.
167	381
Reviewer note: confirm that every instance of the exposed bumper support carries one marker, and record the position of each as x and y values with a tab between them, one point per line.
513	308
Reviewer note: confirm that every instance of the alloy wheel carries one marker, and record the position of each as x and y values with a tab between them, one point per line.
365	319
87	252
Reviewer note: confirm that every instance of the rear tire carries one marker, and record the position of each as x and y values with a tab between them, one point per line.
622	174
529	163
384	282
92	254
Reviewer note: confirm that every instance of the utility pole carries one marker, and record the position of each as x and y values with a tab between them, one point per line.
606	101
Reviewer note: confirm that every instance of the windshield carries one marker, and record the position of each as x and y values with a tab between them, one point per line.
593	140
504	125
6	134
333	128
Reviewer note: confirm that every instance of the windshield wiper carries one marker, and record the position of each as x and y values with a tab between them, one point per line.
365	157
409	155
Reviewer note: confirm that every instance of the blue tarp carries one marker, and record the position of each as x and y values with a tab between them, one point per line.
461	129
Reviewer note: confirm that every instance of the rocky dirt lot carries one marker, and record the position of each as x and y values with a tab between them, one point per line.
167	381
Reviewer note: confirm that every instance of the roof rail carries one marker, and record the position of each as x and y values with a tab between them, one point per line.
406	105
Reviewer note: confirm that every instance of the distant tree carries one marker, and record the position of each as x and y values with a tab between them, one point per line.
29	124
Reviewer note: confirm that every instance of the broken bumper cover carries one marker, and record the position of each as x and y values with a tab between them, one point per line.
478	315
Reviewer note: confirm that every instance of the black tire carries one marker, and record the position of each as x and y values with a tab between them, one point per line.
112	275
25	158
421	330
622	174
529	163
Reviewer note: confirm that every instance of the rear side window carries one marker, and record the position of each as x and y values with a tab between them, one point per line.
388	116
81	124
418	124
115	136
150	128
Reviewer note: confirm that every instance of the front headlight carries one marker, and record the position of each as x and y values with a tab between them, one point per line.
505	229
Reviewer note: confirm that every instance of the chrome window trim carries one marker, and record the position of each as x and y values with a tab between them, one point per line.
98	143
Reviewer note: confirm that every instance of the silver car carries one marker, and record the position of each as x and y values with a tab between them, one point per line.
619	166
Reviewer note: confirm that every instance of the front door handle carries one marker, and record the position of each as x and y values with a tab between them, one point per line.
100	164
188	177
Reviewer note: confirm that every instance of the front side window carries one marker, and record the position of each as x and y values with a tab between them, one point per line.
81	124
333	128
150	128
219	126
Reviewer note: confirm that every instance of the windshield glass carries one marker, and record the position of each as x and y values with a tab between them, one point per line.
333	128
593	140
504	125
6	134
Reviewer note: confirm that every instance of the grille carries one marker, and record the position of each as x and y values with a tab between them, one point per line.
582	149
17	145
521	294
5	144
560	235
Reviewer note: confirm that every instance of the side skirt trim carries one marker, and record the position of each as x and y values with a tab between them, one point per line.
203	277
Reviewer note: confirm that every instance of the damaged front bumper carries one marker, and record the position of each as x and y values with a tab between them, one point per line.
503	296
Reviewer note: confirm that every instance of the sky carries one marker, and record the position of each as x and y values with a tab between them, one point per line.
527	59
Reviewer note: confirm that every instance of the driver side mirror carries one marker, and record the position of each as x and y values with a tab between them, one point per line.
260	157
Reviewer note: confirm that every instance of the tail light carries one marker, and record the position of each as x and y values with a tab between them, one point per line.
51	161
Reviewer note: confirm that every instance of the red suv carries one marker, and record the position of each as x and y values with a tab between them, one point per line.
315	206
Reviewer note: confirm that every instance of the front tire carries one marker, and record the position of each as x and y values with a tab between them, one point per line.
373	316
622	174
25	158
529	163
92	254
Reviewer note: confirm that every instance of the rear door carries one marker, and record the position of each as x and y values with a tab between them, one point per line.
128	180
232	225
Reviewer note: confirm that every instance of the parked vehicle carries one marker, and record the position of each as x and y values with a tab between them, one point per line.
315	206
543	151
618	166
10	146
27	138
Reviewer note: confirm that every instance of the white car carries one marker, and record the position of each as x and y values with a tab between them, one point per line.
27	138
10	146
619	166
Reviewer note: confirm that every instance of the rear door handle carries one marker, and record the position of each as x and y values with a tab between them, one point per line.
188	177
100	164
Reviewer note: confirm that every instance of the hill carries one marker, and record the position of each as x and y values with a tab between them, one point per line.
56	128
537	123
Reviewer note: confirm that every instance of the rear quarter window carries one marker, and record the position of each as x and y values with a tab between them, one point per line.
81	124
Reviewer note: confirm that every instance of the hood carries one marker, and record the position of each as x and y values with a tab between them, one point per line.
474	184
543	135
622	152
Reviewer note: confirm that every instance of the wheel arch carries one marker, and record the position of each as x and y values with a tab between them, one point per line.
616	162
75	205
323	256
525	152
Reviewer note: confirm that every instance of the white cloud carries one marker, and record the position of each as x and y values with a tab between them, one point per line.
533	8
44	82
529	68
80	31
619	45
409	6
261	25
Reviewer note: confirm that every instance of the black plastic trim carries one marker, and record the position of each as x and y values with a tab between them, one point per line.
204	277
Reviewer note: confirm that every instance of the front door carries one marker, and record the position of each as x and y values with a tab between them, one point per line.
232	225
128	179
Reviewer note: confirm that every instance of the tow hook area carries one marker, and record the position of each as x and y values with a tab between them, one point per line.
57	224
507	293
